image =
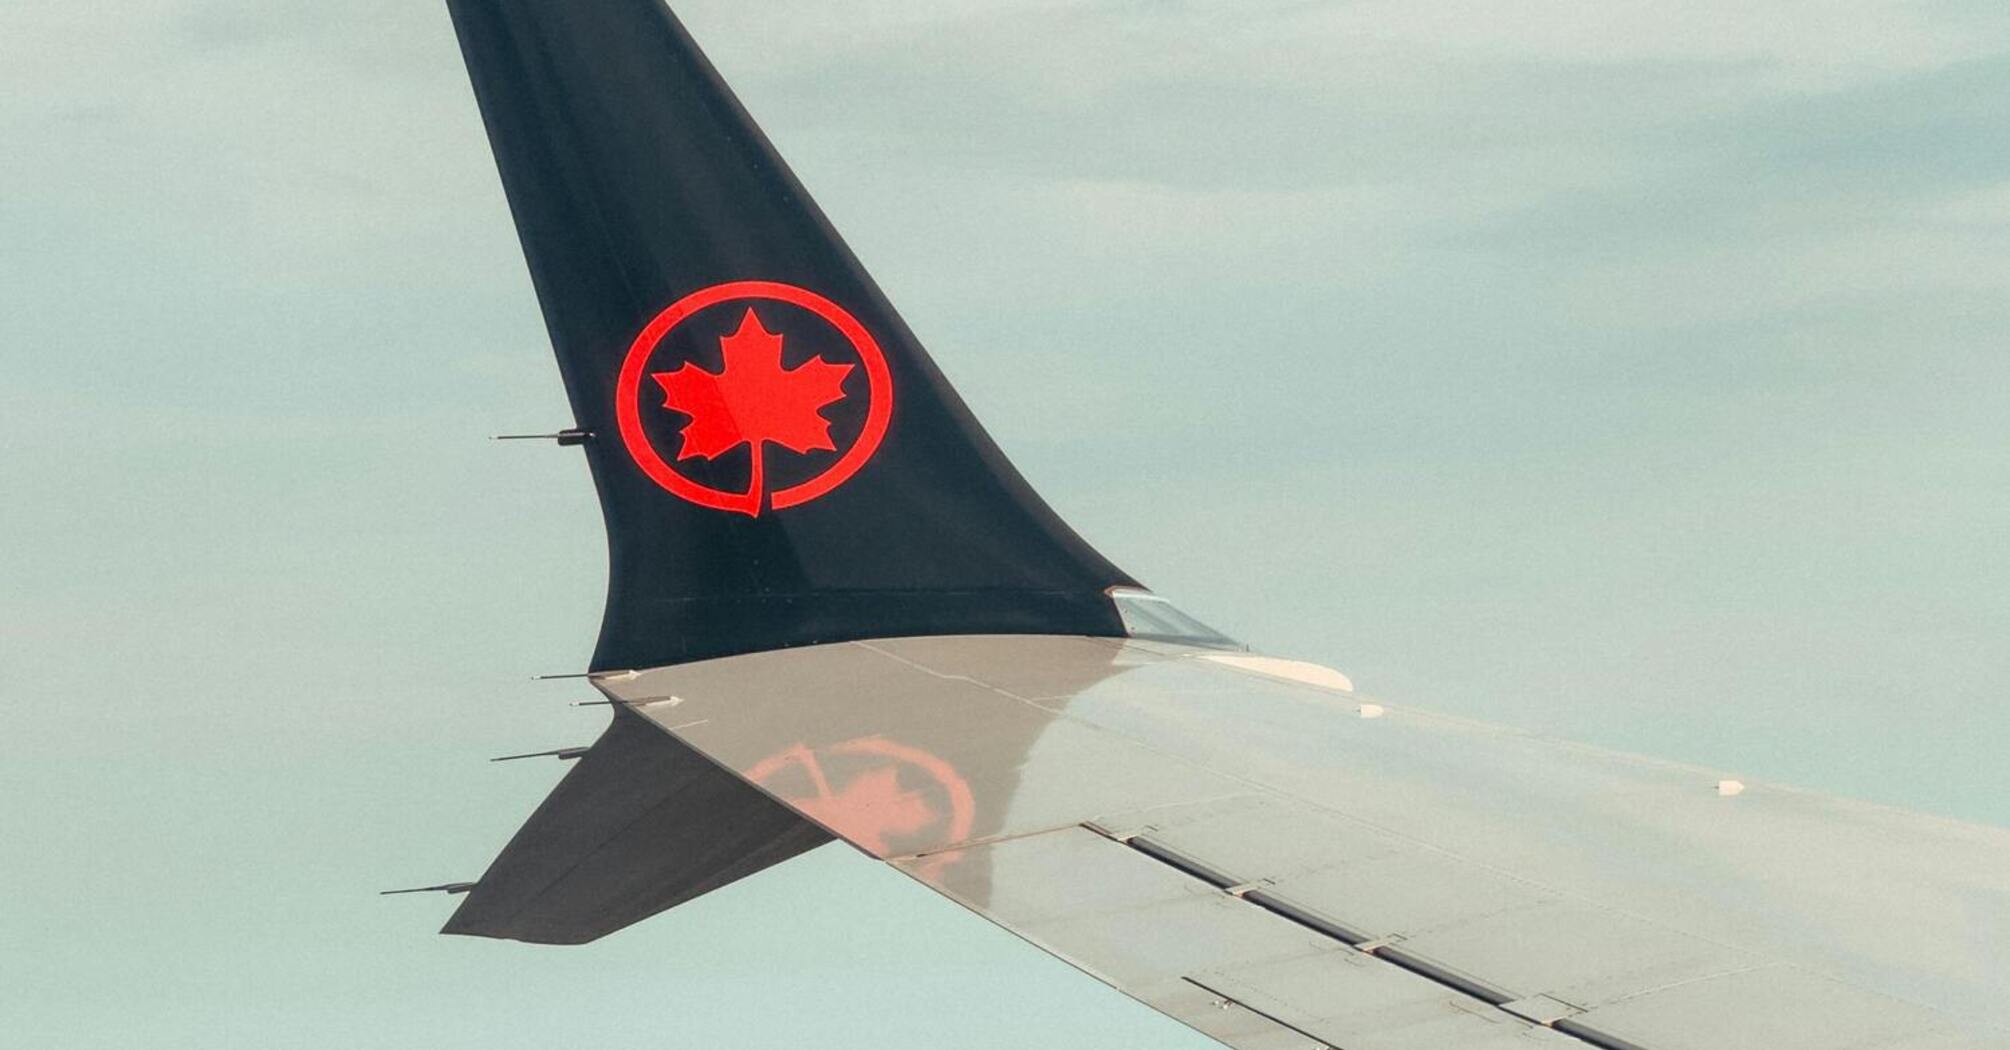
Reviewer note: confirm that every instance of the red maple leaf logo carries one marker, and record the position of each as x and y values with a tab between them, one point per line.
752	400
871	809
901	798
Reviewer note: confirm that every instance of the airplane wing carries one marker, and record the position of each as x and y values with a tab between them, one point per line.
835	610
1248	846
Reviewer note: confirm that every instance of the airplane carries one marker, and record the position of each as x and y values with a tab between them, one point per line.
837	613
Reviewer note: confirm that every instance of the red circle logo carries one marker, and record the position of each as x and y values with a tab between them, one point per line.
885	797
785	356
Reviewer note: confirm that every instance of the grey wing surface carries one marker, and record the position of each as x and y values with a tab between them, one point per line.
1248	847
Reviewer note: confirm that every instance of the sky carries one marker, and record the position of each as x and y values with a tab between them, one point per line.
1633	373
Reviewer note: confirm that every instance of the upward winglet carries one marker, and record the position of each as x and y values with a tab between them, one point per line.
779	462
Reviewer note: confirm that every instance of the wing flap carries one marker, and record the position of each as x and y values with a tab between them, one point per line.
1231	969
1501	938
1772	1007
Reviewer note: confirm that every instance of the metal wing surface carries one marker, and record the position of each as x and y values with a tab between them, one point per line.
1276	863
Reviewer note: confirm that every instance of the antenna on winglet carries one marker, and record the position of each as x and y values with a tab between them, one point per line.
565	438
451	888
604	676
563	754
673	701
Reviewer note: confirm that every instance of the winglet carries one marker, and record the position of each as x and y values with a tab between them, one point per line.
808	478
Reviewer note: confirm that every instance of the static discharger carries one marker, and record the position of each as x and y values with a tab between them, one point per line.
565	438
563	754
449	888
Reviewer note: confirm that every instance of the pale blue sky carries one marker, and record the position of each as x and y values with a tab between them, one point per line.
1631	372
